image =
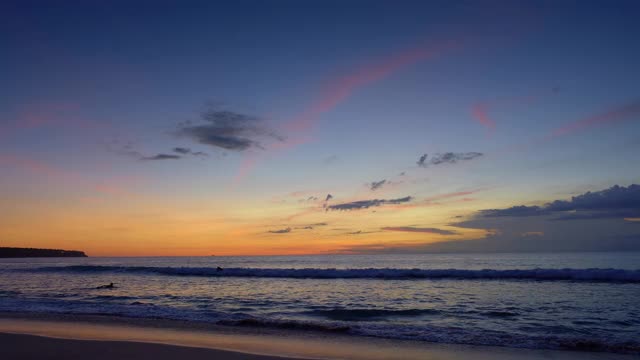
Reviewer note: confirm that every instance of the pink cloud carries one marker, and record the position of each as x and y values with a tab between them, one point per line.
617	114
48	114
480	110
340	89
50	173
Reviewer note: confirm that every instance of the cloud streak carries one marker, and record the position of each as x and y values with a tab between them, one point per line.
188	151
47	172
446	158
365	204
375	185
617	114
480	110
343	87
162	157
420	230
281	231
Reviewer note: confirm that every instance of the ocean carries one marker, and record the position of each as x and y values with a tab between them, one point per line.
576	301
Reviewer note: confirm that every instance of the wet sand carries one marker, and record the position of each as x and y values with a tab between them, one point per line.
51	336
27	347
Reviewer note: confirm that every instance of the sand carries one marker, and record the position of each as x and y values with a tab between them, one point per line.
26	347
30	336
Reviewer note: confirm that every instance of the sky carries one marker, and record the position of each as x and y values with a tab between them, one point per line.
133	128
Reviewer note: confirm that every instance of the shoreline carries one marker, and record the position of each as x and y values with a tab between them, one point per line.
244	342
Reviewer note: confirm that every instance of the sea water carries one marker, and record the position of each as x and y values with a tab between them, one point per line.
582	301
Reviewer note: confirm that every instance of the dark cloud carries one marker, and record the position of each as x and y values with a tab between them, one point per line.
360	232
420	230
615	202
592	221
421	161
308	199
128	149
187	151
615	197
228	130
326	200
161	157
377	184
520	210
510	244
281	231
181	150
364	204
590	215
446	158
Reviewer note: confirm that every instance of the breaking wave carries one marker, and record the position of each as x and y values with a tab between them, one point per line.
581	275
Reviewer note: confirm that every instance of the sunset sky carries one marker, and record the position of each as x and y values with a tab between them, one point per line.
301	127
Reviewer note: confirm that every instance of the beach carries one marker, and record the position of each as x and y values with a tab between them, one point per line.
17	346
42	336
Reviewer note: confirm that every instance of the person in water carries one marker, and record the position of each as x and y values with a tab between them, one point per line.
110	286
219	268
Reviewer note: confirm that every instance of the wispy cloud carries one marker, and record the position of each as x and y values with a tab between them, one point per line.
48	172
360	232
519	210
480	110
365	204
281	231
312	226
446	158
621	113
188	151
375	185
51	115
420	230
342	87
129	150
161	157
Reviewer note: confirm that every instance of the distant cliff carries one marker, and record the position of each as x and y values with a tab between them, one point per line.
10	252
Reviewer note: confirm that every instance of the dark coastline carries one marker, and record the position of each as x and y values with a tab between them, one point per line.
11	252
